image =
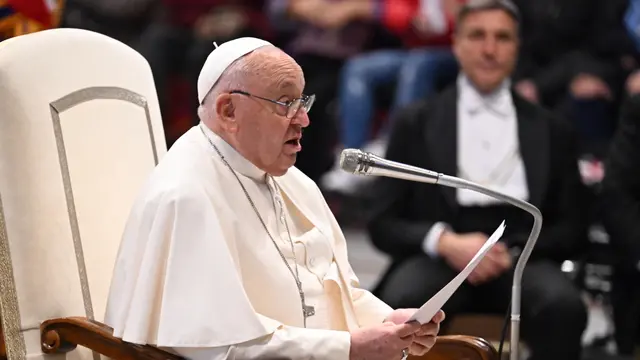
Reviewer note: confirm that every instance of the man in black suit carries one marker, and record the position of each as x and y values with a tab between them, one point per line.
620	197
479	129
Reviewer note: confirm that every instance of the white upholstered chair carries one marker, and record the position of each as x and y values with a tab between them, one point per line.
80	131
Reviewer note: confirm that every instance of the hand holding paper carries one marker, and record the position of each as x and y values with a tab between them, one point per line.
431	307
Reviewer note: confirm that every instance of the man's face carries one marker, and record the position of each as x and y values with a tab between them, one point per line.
265	135
486	46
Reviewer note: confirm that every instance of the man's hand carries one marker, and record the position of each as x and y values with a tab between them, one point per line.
425	338
528	90
330	14
633	83
459	249
499	256
307	10
586	86
424	27
221	23
325	14
382	342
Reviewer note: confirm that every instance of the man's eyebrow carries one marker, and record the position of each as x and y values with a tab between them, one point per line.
286	84
285	89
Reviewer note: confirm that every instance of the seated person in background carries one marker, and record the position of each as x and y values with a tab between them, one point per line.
631	28
323	35
572	60
425	27
621	200
123	20
426	61
231	252
183	38
480	130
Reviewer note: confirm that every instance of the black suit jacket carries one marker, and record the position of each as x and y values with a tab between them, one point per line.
425	135
621	187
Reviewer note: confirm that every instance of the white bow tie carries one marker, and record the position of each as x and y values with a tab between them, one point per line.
498	104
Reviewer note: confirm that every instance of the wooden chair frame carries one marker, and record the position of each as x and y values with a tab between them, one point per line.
63	335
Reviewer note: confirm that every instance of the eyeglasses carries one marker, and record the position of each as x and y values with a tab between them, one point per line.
305	102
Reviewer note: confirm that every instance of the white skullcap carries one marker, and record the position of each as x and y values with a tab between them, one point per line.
220	59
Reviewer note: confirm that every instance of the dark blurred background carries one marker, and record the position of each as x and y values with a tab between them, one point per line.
368	60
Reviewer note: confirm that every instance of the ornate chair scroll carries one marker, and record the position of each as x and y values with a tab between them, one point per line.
80	131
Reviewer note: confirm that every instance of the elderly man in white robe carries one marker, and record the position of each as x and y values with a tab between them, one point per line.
230	252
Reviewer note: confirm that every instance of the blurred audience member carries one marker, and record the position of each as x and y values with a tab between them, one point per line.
632	27
182	40
322	35
123	20
481	130
573	60
20	17
425	28
621	199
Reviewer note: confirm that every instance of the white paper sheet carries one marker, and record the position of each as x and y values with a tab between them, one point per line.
431	307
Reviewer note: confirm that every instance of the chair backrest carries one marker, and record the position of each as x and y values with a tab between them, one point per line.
80	131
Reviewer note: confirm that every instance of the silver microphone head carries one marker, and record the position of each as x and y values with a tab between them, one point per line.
358	162
355	161
349	160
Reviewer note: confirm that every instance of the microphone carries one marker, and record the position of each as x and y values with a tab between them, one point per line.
362	163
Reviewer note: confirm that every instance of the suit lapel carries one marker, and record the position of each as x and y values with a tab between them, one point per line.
442	141
442	138
534	149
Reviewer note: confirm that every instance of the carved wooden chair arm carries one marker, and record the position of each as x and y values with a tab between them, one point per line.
64	334
457	347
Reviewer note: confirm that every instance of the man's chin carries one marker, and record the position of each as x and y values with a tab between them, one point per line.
285	162
488	83
279	172
288	157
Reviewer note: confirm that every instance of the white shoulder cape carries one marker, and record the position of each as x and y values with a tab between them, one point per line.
178	276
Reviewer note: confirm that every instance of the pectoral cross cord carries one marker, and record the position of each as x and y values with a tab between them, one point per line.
307	310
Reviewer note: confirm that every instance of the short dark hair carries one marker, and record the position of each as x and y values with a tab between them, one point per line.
473	6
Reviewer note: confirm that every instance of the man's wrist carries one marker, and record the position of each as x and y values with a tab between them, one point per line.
445	241
431	240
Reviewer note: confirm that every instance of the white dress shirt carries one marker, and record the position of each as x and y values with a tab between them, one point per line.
488	150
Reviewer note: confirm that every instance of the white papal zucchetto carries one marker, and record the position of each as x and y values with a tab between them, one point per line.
220	59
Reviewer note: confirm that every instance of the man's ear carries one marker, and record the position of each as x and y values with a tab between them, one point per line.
226	112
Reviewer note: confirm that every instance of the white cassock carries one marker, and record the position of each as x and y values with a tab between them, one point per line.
198	274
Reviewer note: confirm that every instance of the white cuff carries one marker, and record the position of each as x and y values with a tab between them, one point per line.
430	243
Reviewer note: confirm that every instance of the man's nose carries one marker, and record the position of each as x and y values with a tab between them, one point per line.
301	118
489	47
